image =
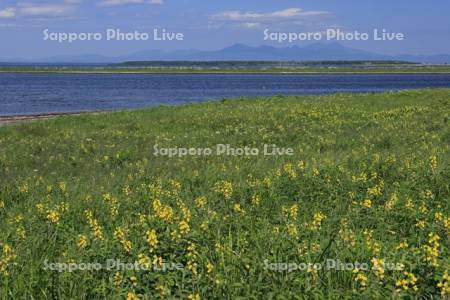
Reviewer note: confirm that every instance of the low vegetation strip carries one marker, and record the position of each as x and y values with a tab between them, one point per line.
201	70
324	197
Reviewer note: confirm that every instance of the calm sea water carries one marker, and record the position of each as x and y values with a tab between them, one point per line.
23	94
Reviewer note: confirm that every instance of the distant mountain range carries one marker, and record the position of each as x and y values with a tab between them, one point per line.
318	51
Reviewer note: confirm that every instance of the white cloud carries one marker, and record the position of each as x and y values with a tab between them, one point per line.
250	25
124	2
45	10
254	17
28	9
9	12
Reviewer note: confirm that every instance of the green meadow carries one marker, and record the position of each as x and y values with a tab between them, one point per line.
360	210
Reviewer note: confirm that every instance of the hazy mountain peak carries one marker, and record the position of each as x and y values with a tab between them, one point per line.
316	51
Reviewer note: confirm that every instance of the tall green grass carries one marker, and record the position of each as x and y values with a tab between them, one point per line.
368	183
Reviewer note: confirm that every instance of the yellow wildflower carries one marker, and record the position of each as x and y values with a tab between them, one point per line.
402	245
184	227
432	249
225	188
8	256
367	203
409	282
21	233
276	230
144	260
133	280
433	163
82	241
237	208
200	202
444	284
93	223
152	239
292	230
420	224
378	268
317	220
117	280
209	267
360	278
194	297
53	216
132	296
256	199
291	212
409	204
392	200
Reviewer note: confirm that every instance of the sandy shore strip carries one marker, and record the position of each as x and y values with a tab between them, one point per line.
10	120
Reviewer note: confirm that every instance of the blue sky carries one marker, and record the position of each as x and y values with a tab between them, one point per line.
213	24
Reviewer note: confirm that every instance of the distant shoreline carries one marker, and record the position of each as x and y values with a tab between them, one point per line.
209	72
14	119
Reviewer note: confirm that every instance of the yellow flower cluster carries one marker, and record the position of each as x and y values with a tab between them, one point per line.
62	186
117	279
161	289
392	200
53	216
432	249
378	267
93	224
376	190
360	178
82	241
237	208
360	278
447	224
367	203
184	227
120	235
8	256
255	200
192	257
194	297
317	220
420	224
291	212
346	234
132	296
301	165
133	280
152	240
371	243
21	233
20	230
410	281
225	188
163	212
144	260
292	230
433	163
289	170
444	284
209	268
200	202
402	245
409	204
113	204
